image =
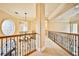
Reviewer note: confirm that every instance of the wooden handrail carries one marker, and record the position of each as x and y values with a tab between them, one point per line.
66	33
17	35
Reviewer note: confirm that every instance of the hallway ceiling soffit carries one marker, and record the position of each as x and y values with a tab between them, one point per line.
50	7
56	11
70	16
62	9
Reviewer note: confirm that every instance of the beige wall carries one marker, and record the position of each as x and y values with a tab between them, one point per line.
17	22
33	26
58	26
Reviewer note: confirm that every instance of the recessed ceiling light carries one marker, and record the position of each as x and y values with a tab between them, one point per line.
77	6
25	13
16	12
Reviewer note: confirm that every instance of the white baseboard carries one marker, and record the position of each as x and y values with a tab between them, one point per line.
38	49
41	49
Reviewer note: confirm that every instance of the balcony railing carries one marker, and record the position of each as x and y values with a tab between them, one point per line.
68	41
18	45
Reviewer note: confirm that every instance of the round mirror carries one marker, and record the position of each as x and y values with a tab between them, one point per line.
8	27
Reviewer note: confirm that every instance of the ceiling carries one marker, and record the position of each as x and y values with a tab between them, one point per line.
20	8
52	10
61	9
72	15
29	8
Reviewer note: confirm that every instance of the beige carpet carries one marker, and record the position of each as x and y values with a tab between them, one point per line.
52	49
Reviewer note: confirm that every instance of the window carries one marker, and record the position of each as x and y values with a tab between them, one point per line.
8	27
74	28
23	27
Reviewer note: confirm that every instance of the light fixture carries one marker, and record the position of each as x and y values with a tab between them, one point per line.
77	6
25	15
23	27
16	12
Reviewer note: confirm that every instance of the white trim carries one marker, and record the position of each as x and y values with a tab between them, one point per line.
42	49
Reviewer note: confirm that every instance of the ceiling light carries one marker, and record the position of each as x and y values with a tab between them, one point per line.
77	6
16	12
25	15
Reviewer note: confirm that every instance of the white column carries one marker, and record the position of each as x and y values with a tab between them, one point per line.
40	27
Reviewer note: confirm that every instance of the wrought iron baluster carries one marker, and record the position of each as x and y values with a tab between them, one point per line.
68	41
75	45
20	45
34	44
10	46
25	44
71	43
78	45
6	45
1	47
17	46
29	43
